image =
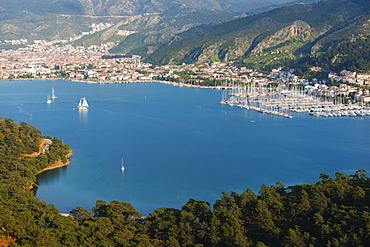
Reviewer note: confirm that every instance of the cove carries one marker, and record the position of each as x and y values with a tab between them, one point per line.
177	143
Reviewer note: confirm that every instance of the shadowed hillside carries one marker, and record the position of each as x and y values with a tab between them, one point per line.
277	37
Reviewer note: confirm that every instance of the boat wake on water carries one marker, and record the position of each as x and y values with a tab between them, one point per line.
20	110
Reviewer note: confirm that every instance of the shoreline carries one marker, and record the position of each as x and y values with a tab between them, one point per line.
92	81
57	164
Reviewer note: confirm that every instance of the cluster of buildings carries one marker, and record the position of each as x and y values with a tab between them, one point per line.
95	27
94	64
14	42
284	76
350	77
343	90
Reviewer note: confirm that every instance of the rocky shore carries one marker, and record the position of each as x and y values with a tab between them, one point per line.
58	163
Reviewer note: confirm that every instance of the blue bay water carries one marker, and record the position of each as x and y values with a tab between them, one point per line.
177	143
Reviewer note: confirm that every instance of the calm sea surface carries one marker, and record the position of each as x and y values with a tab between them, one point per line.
177	143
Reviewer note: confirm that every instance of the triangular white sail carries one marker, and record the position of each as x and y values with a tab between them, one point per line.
83	105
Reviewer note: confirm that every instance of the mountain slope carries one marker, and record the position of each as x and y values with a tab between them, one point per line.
142	26
160	29
280	34
129	7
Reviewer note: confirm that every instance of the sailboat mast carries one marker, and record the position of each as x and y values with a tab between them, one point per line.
53	96
122	167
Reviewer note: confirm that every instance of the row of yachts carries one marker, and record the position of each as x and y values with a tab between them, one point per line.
256	108
284	102
356	112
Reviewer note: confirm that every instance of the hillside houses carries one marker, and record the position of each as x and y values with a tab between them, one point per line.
350	77
284	76
46	61
332	91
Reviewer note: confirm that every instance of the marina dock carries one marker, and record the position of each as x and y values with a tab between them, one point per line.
282	102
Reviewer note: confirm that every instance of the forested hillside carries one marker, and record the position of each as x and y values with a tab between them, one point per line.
353	55
331	212
280	37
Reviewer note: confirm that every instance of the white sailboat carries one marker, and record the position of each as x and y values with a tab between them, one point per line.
49	101
122	167
53	96
83	105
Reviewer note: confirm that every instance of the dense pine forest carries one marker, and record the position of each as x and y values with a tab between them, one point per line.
332	212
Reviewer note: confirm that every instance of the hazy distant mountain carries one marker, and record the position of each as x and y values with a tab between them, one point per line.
276	37
142	26
128	7
134	7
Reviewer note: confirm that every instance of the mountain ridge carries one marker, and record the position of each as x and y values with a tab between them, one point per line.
130	7
68	19
243	38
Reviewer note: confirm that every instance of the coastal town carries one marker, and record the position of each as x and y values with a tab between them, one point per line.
344	94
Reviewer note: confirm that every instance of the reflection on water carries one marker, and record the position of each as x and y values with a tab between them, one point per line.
48	177
83	115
